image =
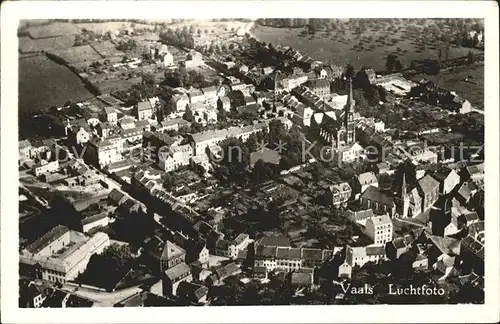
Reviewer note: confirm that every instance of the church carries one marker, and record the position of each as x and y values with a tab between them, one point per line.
338	130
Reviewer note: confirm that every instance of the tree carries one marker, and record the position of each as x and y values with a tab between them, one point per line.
349	71
192	29
168	182
390	62
236	158
470	58
362	81
188	115
148	79
251	143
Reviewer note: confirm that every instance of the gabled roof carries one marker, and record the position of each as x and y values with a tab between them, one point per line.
116	196
227	270
144	105
375	194
171	250
427	184
177	271
312	254
380	220
47	239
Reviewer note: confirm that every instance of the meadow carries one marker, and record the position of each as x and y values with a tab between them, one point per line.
367	48
454	79
44	83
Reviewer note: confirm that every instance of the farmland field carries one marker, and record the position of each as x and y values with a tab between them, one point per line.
369	49
453	79
43	83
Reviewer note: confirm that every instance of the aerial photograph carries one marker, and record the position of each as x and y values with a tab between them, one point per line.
232	162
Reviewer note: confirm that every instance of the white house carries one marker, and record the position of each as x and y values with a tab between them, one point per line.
379	228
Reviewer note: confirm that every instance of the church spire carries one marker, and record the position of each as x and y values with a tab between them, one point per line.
350	98
403	186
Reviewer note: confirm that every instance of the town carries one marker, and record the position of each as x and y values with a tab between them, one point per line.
208	167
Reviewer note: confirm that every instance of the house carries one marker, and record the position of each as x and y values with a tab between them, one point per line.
360	216
196	96
224	103
116	197
346	263
168	59
126	122
379	228
238	244
24	150
30	295
397	247
44	166
111	115
448	179
339	193
475	172
362	255
171	256
382	167
374	198
179	102
90	222
194	59
227	271
320	87
144	110
302	279
366	180
174	276
428	189
466	191
222	248
192	292
371	75
260	272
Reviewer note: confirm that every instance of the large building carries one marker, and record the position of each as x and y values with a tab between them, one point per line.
337	128
379	229
171	256
61	254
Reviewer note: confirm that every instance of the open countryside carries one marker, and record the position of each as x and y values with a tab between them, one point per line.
369	48
44	83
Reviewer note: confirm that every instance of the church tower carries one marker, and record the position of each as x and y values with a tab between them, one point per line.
349	117
403	202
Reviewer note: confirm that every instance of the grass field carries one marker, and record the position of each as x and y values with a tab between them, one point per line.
453	79
367	49
43	83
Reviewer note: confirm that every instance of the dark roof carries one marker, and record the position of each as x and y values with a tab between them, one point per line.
222	244
47	238
191	290
116	196
265	251
94	218
274	240
288	253
177	271
442	173
301	278
312	254
375	250
227	270
375	194
318	83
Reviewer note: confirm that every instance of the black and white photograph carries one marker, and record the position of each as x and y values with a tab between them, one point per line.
255	161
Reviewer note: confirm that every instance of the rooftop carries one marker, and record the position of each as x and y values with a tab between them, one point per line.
47	239
177	271
375	194
171	250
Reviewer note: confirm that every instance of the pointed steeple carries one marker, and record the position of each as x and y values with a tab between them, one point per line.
403	186
350	98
